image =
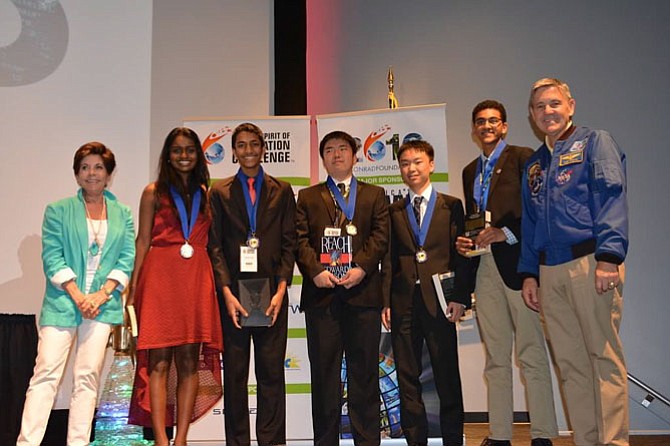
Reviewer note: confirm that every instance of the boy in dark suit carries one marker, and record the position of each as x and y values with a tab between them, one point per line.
343	314
424	227
252	237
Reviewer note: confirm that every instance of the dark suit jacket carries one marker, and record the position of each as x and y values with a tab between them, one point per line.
275	228
504	202
316	211
401	269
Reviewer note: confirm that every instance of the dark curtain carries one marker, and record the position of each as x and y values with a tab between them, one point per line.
18	349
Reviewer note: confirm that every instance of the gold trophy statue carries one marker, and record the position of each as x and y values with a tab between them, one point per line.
393	101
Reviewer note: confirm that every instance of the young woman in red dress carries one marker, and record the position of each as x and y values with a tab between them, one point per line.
173	291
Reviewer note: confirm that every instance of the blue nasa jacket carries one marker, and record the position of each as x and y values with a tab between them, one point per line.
574	198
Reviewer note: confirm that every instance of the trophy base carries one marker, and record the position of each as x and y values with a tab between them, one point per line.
477	252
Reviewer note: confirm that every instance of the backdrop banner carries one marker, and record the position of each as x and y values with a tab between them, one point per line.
381	132
286	154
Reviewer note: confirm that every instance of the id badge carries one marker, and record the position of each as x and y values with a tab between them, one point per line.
248	259
332	232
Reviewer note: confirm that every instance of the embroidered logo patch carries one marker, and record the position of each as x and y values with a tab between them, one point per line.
564	176
535	178
578	145
572	157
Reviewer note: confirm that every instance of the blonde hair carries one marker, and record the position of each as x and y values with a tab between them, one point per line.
549	82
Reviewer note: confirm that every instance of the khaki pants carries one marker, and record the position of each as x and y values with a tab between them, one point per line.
583	331
503	320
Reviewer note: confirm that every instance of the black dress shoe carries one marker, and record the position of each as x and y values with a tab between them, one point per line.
541	442
490	442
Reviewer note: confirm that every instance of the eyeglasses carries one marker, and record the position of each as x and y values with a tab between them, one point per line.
480	122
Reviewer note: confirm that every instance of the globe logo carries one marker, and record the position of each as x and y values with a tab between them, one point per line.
412	137
376	151
214	154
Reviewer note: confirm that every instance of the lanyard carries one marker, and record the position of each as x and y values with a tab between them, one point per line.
420	232
186	224
252	209
483	177
347	207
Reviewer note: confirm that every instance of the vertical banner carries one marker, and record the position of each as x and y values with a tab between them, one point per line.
381	132
287	158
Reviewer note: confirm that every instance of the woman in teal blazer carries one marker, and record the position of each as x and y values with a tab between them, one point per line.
88	252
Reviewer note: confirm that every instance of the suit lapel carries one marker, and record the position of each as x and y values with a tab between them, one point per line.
497	170
237	198
268	190
328	202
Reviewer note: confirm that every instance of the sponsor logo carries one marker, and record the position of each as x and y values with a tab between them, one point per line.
564	176
214	151
292	362
373	148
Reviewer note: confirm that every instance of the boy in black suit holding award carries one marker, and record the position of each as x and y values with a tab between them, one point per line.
424	227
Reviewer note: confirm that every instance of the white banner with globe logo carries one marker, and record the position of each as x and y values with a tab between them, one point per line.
286	153
381	132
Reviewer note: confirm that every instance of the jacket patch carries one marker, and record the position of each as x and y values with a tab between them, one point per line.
564	176
572	157
535	179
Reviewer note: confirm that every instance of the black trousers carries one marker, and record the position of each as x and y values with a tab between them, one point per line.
332	330
269	357
408	333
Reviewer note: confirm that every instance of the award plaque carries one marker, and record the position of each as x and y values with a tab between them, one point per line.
474	224
255	297
445	286
336	254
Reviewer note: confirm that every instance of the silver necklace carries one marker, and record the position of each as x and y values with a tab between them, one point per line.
96	247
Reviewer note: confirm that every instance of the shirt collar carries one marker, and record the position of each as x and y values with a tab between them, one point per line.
426	193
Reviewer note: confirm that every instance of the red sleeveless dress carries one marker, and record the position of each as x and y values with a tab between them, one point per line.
175	301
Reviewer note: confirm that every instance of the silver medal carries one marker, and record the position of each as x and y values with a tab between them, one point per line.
186	250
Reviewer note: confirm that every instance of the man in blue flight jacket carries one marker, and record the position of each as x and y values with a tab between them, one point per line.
574	240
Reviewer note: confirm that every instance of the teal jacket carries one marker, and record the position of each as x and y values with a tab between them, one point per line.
64	255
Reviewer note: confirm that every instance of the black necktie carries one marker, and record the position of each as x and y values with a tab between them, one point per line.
338	212
417	209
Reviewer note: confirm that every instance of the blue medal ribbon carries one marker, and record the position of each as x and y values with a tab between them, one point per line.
421	232
483	177
186	224
252	209
347	207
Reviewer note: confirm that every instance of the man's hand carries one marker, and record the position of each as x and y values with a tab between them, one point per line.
276	301
530	293
490	235
353	277
325	279
463	245
607	277
386	318
233	307
455	311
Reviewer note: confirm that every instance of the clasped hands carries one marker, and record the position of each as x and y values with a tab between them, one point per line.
326	279
89	304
